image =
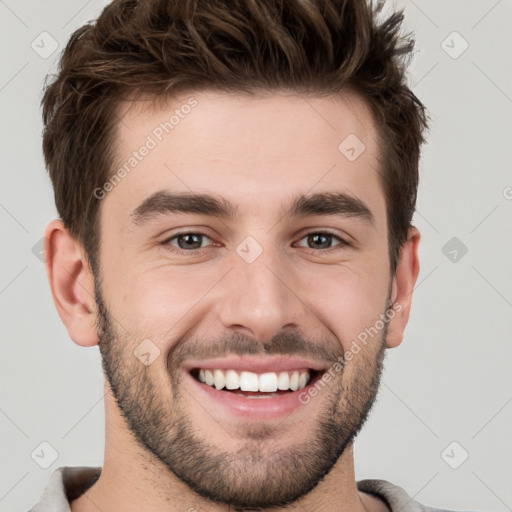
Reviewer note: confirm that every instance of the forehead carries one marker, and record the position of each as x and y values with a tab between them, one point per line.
251	149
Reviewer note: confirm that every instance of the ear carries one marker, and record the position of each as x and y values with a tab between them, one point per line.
402	287
72	283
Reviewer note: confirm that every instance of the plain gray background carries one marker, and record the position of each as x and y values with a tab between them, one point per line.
447	389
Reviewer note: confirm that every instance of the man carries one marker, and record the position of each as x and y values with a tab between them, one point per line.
236	182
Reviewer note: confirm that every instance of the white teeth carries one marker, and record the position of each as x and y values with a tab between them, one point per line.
266	395
294	381
268	382
208	377
249	381
219	379
303	380
283	382
232	380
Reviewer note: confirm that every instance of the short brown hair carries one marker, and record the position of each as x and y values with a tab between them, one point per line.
162	47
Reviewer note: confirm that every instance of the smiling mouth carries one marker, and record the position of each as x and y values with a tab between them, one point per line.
256	385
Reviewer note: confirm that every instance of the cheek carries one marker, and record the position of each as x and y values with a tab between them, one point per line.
159	303
348	301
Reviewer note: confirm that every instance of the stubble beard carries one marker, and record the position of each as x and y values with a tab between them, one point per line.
256	476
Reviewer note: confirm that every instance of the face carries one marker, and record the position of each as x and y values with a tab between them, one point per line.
245	250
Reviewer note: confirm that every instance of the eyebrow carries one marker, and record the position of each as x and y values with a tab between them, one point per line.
325	203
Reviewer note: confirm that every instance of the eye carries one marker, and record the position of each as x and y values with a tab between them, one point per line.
322	240
188	241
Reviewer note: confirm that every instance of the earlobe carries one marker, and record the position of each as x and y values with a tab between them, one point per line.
71	283
402	288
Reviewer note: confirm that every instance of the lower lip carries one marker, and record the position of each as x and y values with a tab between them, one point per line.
252	408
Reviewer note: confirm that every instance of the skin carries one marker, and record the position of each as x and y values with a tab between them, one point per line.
258	153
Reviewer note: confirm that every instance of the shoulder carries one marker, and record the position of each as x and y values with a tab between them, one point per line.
65	485
395	497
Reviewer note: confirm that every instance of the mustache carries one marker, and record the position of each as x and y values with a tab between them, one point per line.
283	343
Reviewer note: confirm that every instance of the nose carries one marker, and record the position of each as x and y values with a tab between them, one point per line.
258	299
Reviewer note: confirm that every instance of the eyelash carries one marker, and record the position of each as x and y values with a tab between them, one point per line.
342	243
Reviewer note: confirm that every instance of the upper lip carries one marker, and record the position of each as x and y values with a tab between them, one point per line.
257	364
